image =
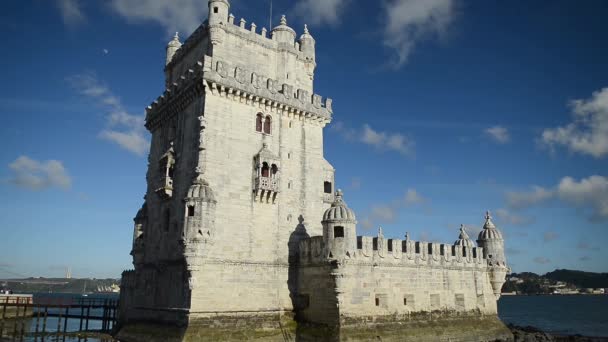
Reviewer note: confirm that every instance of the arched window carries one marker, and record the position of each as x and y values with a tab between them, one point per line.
274	170
258	122
265	170
267	124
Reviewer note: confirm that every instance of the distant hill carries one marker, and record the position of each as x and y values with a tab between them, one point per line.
59	285
573	281
580	278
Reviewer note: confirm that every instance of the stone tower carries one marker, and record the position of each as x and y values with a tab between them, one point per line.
490	239
241	235
236	177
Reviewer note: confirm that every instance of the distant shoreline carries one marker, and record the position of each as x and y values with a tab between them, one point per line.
529	333
553	294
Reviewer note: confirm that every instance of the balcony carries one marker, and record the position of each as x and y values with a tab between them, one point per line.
266	189
164	187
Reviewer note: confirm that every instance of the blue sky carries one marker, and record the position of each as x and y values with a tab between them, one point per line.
442	109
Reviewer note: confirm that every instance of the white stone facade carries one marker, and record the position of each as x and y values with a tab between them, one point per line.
237	191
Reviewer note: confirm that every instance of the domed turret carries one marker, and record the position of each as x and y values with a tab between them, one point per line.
284	33
200	191
492	242
463	238
307	44
172	48
493	245
200	212
339	229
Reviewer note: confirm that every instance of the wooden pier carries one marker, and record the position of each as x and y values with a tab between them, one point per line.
22	316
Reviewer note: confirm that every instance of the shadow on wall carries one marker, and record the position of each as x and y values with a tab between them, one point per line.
293	245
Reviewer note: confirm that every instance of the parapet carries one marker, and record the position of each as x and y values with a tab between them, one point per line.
378	251
249	33
219	77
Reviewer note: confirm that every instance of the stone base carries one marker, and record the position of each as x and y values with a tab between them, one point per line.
242	327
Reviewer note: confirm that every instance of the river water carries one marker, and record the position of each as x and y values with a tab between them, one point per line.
577	314
581	314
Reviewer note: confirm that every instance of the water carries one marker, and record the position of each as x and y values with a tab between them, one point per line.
73	325
584	315
568	315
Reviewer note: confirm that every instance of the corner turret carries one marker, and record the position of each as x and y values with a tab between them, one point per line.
283	33
492	242
218	12
172	48
493	245
339	229
463	238
218	18
199	229
307	44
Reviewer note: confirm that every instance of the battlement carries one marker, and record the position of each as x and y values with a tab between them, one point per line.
392	252
219	77
244	31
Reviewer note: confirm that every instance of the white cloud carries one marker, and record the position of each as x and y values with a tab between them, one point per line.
319	12
518	200
124	129
131	140
388	212
541	260
412	197
504	215
550	236
387	141
590	194
382	141
176	15
409	21
498	133
37	175
588	132
71	12
384	213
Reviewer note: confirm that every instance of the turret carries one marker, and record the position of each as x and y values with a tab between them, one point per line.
307	44
199	217
463	238
283	33
140	222
493	245
492	242
172	47
218	18
218	12
339	229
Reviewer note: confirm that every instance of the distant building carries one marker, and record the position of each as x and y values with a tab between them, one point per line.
242	227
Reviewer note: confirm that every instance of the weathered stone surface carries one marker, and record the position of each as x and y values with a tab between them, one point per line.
232	240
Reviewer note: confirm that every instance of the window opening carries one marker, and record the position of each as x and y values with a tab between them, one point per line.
267	124
338	231
327	187
190	210
258	122
265	170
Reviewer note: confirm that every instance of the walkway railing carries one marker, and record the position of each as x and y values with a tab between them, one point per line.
23	316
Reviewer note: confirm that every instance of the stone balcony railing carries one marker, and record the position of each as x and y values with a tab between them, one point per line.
164	187
328	198
266	189
267	184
